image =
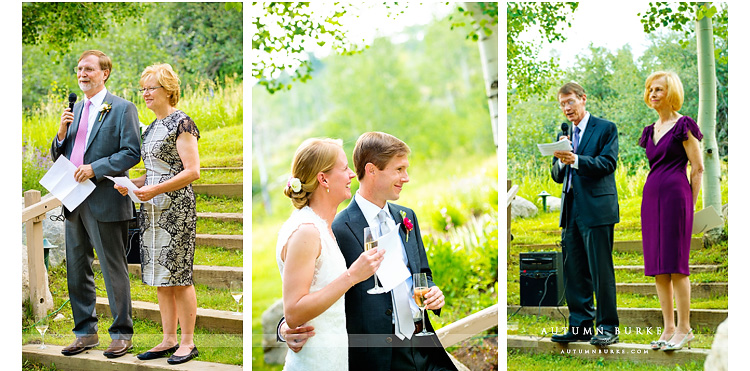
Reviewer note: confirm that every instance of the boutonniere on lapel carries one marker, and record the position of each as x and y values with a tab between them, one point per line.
106	107
407	224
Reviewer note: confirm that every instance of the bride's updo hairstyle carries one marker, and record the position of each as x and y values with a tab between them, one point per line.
313	156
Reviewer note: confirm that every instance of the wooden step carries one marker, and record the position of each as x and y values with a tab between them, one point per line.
227	190
222	217
619	246
619	351
698	268
634	317
226	241
94	359
217	320
213	276
701	290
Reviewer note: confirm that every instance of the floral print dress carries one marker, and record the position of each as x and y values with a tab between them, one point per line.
168	225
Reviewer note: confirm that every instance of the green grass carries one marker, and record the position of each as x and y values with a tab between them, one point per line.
212	226
216	204
212	255
266	285
518	361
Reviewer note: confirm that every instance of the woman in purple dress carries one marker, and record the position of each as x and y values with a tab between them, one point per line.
669	198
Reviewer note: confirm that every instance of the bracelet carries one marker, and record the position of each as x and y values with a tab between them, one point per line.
280	338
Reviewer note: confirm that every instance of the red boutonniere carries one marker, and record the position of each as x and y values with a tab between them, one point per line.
407	224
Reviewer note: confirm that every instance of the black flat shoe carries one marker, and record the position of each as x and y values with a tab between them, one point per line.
604	338
570	337
157	354
176	360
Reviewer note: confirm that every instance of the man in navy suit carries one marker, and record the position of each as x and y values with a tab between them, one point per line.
379	337
100	137
588	214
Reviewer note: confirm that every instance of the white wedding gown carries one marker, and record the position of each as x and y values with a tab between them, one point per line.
328	349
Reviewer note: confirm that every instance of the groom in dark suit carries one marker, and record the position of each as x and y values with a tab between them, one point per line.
381	327
588	214
100	137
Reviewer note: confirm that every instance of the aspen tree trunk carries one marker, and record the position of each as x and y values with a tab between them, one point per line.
707	118
488	54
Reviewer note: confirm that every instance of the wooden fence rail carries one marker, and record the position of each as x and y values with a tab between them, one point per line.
33	214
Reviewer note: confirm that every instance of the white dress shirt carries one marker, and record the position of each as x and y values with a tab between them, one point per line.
370	211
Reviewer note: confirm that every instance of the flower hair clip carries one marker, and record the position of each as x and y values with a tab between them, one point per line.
295	184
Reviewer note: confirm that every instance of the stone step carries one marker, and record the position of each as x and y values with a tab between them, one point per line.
213	276
633	317
226	241
94	359
701	290
222	217
227	190
619	246
211	319
619	351
698	268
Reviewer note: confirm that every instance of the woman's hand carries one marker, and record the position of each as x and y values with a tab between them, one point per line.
367	263
296	337
123	190
146	193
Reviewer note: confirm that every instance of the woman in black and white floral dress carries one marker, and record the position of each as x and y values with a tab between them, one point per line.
167	219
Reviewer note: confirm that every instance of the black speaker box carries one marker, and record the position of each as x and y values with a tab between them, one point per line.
541	279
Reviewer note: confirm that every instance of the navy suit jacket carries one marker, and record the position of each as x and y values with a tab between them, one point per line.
593	183
113	147
369	317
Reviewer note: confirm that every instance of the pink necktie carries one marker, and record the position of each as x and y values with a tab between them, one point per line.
76	157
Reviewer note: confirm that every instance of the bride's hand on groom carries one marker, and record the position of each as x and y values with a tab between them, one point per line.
434	299
367	263
297	337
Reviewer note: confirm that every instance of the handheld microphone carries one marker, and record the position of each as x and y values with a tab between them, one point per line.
564	128
72	101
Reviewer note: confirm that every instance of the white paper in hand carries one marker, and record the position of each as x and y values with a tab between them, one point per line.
392	270
706	219
548	149
60	181
127	183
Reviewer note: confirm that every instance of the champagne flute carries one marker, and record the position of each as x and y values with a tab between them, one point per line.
41	325
420	289
235	288
371	243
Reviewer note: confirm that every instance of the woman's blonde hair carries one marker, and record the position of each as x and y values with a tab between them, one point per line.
313	156
675	92
166	77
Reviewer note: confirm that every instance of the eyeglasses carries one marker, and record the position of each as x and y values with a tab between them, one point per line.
570	102
150	90
87	69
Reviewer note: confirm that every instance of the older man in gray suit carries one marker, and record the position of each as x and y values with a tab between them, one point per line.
99	136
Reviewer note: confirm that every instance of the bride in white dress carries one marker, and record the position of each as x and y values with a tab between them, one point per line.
313	271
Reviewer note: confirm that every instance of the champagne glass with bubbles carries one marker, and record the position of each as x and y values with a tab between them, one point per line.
371	243
235	288
42	325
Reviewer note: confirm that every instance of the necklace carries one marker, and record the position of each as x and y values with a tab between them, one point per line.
661	125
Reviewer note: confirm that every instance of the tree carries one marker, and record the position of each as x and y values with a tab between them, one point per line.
484	21
281	34
57	25
528	76
661	14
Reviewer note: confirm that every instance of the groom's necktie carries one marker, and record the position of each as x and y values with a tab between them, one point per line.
399	295
79	146
576	139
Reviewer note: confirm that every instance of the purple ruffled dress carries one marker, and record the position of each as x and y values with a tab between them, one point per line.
667	206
